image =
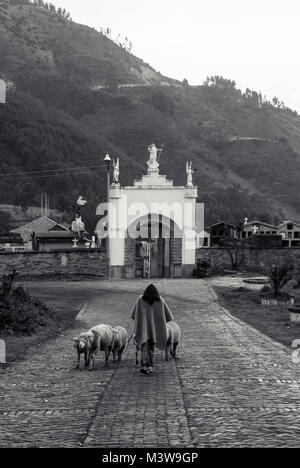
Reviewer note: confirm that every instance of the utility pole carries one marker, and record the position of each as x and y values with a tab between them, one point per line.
44	204
107	161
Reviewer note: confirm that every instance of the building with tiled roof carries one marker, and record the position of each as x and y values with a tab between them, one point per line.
37	226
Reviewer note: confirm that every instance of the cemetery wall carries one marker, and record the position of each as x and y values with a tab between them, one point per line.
65	263
256	259
83	262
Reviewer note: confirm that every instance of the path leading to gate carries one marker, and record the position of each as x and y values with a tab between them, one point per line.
231	386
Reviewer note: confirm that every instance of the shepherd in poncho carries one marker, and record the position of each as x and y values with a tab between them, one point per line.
150	314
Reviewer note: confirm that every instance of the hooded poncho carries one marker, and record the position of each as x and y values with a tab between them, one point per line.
151	294
150	320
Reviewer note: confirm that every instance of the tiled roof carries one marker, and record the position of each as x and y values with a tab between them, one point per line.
281	225
38	225
256	221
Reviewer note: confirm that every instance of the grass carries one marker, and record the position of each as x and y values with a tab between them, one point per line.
272	321
64	309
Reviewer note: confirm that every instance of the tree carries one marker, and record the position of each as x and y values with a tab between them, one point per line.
235	249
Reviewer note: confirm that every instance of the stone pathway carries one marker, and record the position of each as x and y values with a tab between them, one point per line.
231	386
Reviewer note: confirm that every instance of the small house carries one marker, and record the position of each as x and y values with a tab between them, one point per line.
219	231
290	233
39	225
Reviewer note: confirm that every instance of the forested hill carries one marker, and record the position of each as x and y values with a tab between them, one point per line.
75	94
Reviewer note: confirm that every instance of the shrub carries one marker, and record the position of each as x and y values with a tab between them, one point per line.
203	268
280	276
19	312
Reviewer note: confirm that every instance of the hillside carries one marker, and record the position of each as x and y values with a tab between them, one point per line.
74	95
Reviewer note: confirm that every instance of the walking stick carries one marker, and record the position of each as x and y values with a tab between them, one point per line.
128	341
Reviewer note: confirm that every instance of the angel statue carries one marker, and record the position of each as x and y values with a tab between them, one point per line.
79	204
116	174
189	172
81	201
153	163
78	225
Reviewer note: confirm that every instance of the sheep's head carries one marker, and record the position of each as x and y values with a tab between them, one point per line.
81	343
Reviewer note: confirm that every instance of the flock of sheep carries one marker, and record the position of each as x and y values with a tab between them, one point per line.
115	341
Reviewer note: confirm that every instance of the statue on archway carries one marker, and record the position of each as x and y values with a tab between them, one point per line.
116	173
189	173
153	163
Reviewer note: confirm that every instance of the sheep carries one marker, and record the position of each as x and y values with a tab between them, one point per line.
120	342
98	338
81	343
174	334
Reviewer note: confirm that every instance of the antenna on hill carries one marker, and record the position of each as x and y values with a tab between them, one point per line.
44	204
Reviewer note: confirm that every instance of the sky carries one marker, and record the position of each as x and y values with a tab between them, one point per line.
254	42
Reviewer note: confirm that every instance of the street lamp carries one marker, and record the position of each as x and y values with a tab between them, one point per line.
107	161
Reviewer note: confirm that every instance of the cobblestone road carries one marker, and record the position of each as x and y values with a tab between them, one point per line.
231	386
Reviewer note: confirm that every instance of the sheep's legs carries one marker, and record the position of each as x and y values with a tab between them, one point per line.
91	363
107	354
115	353
86	358
175	350
92	360
78	360
120	353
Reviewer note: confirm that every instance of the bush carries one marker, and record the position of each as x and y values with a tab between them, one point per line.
19	312
280	276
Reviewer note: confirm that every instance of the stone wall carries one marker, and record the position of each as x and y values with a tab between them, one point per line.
84	262
52	263
256	259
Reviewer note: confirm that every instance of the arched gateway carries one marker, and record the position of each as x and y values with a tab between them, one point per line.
152	226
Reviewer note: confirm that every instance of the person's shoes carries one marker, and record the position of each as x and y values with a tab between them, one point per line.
150	369
145	370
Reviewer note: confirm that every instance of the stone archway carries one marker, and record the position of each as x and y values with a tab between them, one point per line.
153	194
155	249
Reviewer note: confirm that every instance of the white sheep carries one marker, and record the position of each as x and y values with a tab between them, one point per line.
173	340
99	338
120	342
174	335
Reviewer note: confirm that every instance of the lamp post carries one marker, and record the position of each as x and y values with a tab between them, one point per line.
107	161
